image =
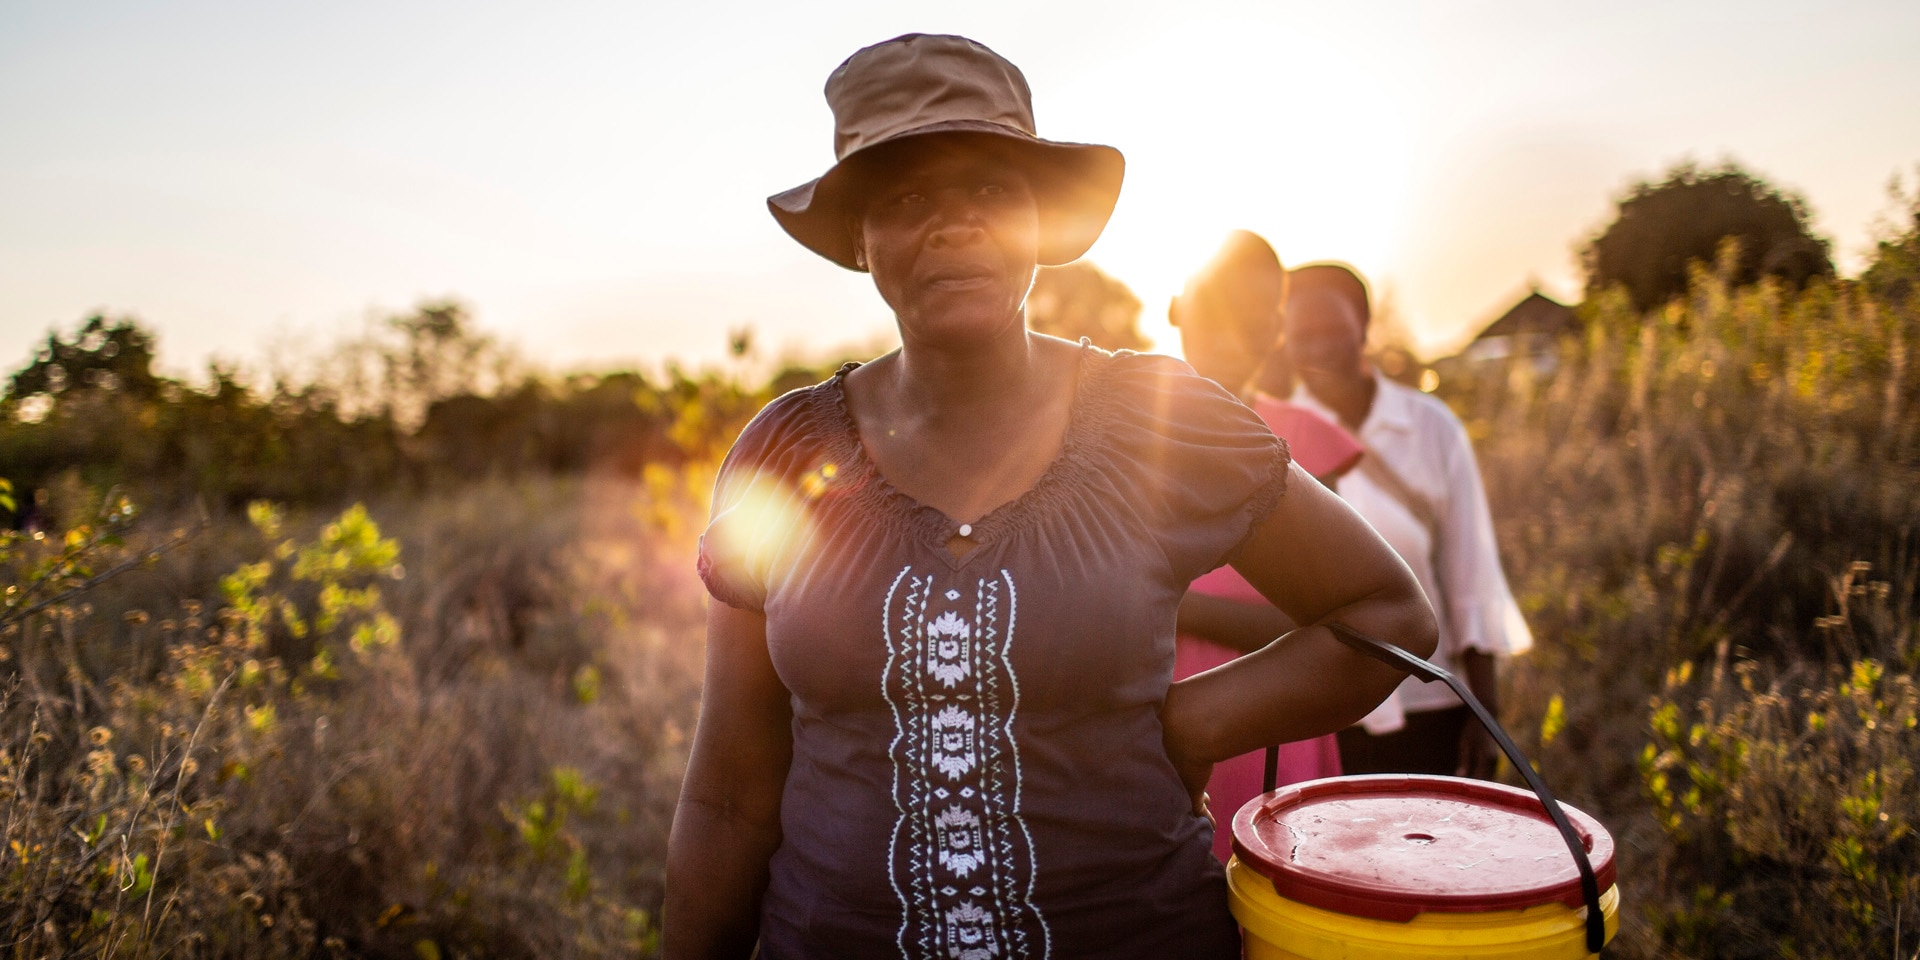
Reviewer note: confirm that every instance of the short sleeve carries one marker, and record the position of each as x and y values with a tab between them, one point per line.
1202	469
756	504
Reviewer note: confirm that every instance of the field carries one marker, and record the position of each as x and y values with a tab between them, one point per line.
385	665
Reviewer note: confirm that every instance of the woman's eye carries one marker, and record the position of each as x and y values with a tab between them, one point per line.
911	198
991	190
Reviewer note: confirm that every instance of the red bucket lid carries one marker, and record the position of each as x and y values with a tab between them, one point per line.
1394	847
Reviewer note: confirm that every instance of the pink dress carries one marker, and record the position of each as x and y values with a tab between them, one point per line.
1320	447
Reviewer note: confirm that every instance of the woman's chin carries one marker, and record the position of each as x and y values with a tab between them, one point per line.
964	322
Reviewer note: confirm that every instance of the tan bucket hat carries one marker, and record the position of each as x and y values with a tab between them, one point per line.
921	84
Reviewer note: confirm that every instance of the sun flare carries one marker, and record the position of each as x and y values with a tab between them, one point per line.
1322	173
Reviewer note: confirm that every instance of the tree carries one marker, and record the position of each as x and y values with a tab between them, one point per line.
1081	300
1894	273
408	362
1664	227
114	356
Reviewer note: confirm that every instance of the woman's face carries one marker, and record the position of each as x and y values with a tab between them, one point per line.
951	235
1227	325
1325	333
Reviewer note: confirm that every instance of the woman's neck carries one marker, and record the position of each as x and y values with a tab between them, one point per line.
965	431
1348	394
977	381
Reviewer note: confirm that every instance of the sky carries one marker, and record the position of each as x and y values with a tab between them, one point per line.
254	178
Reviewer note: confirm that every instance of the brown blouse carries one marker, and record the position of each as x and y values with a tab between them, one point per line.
978	770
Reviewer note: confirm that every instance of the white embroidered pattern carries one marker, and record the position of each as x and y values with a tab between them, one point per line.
949	649
953	744
961	860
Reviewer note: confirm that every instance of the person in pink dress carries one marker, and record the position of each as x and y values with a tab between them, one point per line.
1229	317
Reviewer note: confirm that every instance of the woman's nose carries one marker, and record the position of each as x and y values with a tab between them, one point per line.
958	217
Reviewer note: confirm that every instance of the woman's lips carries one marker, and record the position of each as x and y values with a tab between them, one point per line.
960	279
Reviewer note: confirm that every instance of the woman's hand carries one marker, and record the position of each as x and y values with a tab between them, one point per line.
1479	754
1194	770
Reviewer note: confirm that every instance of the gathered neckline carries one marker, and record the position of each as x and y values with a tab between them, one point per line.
1088	416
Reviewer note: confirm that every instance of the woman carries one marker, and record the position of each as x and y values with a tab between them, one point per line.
1229	318
1418	485
937	719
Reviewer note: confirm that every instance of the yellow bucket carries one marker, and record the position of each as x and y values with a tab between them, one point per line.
1405	867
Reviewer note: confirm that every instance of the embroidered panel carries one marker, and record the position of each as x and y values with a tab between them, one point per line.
962	860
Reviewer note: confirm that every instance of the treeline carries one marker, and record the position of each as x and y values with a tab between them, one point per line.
424	400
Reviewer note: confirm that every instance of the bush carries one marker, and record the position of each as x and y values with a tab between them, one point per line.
319	752
1677	500
1789	805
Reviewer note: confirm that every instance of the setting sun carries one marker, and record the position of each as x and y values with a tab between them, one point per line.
566	174
1307	147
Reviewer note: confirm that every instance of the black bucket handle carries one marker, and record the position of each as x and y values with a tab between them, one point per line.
1406	662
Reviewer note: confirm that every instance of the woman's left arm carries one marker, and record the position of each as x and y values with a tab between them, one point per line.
1318	561
1238	625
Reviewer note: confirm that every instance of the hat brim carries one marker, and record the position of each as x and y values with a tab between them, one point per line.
1074	184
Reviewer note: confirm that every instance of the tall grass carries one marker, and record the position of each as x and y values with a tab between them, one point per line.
299	738
1710	514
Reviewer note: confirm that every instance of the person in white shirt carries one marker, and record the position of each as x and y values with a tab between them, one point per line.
1417	483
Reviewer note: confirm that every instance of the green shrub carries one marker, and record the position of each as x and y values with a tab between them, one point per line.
474	757
1789	802
1677	495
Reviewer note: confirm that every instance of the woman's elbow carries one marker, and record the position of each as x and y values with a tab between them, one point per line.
1400	613
1419	627
1397	613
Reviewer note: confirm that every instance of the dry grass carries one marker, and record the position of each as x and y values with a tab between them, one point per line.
1710	519
478	758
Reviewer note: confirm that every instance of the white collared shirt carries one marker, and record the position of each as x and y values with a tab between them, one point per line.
1422	441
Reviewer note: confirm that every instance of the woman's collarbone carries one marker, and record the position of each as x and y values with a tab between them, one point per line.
967	474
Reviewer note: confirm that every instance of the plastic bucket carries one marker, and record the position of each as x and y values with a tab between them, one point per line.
1402	867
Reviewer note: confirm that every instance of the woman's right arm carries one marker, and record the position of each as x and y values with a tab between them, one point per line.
1316	560
1234	624
727	825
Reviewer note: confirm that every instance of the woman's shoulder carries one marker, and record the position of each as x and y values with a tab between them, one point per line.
1132	365
1154	411
1164	397
1197	465
791	427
